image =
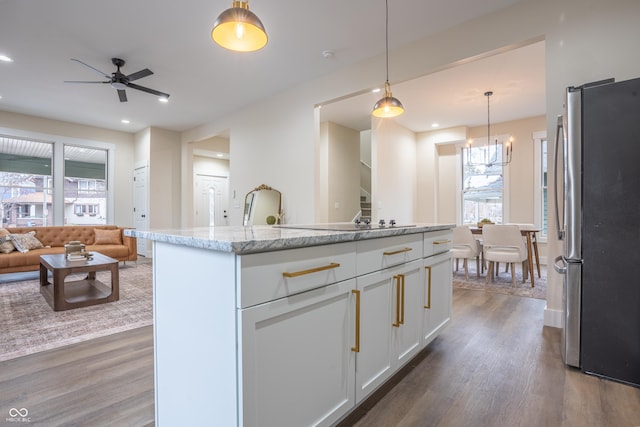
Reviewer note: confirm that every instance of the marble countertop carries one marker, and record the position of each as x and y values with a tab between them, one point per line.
266	238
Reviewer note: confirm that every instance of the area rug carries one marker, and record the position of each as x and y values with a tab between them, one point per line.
502	283
29	325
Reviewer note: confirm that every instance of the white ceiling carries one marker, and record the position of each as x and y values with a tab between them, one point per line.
207	82
455	97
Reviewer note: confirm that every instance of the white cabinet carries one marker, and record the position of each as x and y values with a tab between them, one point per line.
296	358
438	291
390	323
293	337
297	327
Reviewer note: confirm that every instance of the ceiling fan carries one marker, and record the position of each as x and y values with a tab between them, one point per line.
120	81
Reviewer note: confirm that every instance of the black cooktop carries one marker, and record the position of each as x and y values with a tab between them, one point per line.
342	226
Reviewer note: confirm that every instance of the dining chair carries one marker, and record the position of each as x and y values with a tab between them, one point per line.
465	247
504	243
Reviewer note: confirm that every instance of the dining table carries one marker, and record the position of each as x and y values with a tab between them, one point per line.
528	231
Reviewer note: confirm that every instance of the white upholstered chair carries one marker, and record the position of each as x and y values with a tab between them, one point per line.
504	243
465	247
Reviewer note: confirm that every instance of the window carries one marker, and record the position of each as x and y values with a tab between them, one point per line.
25	182
540	140
43	182
482	187
91	210
85	185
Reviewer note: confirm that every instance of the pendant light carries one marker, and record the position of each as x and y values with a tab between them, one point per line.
388	106
490	151
239	29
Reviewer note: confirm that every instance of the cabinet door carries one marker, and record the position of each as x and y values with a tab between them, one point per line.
407	337
298	367
390	323
437	304
377	312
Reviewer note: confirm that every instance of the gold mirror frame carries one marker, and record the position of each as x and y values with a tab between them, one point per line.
262	206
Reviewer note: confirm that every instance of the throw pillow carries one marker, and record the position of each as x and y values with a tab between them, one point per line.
107	237
6	246
26	242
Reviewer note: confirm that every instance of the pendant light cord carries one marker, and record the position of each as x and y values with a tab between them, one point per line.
488	119
386	24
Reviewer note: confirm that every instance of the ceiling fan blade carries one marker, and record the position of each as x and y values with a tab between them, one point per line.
122	95
146	89
82	81
139	74
102	73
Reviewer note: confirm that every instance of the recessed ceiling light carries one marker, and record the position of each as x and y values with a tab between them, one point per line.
376	90
5	58
125	121
220	155
163	99
434	125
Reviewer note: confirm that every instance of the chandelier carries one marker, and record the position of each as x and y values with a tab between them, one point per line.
491	152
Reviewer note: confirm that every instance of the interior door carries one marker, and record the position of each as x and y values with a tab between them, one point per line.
140	220
211	201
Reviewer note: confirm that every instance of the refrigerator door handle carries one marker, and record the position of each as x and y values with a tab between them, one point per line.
559	132
560	268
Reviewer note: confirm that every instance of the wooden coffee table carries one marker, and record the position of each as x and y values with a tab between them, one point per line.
61	295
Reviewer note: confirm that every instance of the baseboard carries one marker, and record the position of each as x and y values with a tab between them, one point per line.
552	318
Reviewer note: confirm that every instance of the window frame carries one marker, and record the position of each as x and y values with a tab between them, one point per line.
57	189
460	180
538	138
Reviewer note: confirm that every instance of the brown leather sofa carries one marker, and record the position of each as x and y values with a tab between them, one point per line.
55	237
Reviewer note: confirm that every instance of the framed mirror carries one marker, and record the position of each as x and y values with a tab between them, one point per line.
262	206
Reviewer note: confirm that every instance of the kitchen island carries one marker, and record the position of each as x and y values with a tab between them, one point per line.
290	327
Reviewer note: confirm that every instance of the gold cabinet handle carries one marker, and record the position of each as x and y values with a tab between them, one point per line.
399	251
428	306
311	270
441	242
399	300
402	316
356	348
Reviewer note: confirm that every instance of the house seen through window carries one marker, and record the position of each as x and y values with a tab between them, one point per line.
25	182
27	175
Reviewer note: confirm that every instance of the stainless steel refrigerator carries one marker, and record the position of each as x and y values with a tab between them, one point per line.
598	221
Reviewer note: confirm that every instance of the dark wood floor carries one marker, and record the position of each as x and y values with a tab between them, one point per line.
496	365
103	382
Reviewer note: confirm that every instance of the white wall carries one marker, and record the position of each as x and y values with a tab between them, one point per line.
447	170
586	40
393	173
210	166
272	143
192	163
428	173
164	179
343	173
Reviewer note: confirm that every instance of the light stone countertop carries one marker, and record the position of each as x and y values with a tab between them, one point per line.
266	238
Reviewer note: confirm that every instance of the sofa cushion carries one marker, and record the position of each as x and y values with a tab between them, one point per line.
6	245
107	237
113	251
25	242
